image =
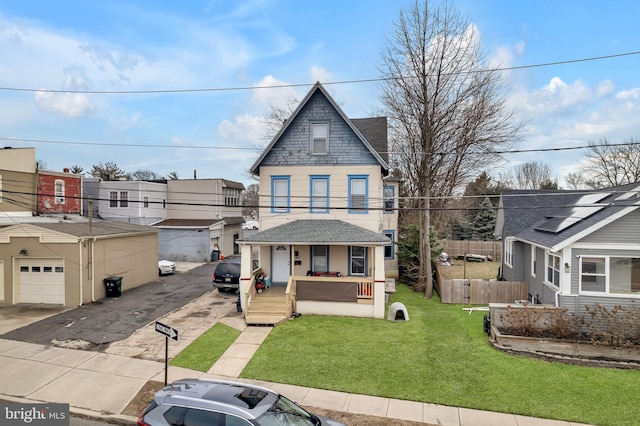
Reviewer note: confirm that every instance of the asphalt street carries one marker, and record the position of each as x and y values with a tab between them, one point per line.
115	318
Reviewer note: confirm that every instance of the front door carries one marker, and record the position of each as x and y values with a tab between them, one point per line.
281	265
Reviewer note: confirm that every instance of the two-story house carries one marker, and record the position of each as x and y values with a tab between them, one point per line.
59	192
328	215
132	201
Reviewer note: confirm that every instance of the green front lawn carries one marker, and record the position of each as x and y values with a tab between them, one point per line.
203	352
440	356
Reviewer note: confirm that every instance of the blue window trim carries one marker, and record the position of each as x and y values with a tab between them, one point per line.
393	199
393	247
313	178
275	209
365	210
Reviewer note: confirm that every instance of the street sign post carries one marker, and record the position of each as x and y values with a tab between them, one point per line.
168	332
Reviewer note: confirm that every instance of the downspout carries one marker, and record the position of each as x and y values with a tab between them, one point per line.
91	269
82	240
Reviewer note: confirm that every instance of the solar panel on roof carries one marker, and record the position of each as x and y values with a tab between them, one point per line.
568	216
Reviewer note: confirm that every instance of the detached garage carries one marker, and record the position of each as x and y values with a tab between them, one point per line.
40	281
65	263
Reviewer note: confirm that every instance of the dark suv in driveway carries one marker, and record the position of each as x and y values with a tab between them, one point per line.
226	277
195	402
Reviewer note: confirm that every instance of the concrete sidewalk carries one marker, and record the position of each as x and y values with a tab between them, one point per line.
102	385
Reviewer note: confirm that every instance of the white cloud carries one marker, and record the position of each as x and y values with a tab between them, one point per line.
274	95
320	74
65	104
246	130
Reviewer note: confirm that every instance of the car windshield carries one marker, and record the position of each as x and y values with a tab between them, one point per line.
284	412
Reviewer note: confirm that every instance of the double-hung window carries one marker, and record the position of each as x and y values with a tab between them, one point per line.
320	258
124	199
280	194
508	252
113	198
388	197
319	138
389	251
357	260
593	274
553	270
319	196
358	202
145	202
59	191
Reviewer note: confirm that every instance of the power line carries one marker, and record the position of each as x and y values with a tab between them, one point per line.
282	86
231	148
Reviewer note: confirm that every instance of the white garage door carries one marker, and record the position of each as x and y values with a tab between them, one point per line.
41	281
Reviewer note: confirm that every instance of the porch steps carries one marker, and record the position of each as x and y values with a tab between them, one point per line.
268	308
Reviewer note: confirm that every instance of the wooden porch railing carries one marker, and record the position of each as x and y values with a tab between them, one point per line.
365	288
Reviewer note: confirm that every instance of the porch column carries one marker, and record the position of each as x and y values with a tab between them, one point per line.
379	277
245	273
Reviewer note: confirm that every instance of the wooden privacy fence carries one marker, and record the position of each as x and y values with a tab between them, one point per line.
492	249
481	292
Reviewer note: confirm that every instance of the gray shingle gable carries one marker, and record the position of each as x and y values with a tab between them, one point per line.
347	143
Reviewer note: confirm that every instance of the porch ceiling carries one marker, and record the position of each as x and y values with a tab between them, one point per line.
317	232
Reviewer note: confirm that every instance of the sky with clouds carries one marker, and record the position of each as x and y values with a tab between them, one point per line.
172	50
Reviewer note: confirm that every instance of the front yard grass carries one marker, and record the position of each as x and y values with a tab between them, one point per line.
203	352
440	356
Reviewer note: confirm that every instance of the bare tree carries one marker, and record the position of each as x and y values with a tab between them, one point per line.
108	171
145	174
530	175
575	180
276	116
76	170
608	164
446	107
172	176
40	165
251	201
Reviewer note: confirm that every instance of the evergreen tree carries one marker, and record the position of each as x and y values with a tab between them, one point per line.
484	222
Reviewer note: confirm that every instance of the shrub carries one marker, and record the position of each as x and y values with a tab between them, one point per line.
532	321
616	326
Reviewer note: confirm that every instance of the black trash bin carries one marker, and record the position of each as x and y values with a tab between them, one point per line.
215	255
113	286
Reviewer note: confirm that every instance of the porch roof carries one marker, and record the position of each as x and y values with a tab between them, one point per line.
317	232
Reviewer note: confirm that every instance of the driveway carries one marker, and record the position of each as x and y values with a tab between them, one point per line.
99	325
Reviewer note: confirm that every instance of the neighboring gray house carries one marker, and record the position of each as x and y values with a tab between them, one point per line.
194	240
133	201
573	248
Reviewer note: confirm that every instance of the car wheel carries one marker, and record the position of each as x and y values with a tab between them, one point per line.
222	290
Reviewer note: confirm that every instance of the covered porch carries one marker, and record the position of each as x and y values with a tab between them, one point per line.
319	267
